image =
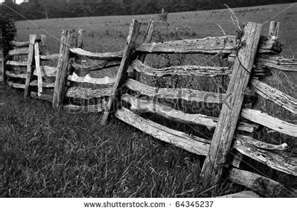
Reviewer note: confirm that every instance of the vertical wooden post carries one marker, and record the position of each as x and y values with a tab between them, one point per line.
147	38
80	40
149	32
42	46
274	29
130	45
32	40
223	136
38	69
68	40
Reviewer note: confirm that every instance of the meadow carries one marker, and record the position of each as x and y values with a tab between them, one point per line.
44	153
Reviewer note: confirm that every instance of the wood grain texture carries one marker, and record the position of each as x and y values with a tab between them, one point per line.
263	186
11	74
47	71
20	44
122	72
268	121
273	62
80	39
88	79
34	83
212	45
263	145
143	106
279	63
276	96
182	140
101	56
88	93
18	51
79	68
38	69
15	85
147	38
176	93
243	194
49	57
271	156
32	40
209	45
187	70
16	63
273	31
68	40
223	136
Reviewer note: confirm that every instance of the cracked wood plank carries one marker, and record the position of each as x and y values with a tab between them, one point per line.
176	93
268	121
223	137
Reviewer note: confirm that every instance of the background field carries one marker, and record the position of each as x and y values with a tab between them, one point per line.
44	153
109	33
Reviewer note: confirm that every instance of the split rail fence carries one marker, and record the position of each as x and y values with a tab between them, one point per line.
28	67
251	56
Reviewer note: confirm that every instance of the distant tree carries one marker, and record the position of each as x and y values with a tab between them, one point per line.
7	27
128	6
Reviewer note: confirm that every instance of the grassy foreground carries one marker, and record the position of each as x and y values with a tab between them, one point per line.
49	154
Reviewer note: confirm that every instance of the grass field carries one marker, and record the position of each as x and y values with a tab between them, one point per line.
109	33
48	154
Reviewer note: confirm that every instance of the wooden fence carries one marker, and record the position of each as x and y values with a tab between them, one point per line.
26	68
250	57
228	128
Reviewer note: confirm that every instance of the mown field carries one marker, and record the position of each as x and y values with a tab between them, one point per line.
44	153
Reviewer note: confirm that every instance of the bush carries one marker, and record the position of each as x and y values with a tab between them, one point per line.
8	31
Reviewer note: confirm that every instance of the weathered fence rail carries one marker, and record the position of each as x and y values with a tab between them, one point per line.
74	87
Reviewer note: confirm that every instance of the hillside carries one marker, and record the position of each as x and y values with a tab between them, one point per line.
109	32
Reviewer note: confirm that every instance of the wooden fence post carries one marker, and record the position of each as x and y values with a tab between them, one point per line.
223	136
38	69
68	40
147	38
80	40
130	45
42	45
274	29
32	40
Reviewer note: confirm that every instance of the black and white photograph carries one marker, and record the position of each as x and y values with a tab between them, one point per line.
148	104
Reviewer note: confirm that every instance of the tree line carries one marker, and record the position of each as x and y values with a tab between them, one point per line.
39	9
